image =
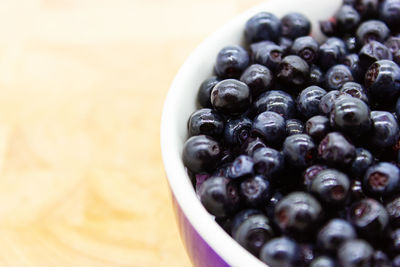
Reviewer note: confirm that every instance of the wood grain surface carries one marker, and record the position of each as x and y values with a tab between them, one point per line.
82	83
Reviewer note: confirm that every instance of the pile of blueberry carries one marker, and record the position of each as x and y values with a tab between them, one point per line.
295	148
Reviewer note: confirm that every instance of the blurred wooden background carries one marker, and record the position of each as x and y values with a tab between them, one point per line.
82	83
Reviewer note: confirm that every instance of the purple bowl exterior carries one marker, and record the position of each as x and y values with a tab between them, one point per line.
200	253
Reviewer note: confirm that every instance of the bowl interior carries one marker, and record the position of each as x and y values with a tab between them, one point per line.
181	102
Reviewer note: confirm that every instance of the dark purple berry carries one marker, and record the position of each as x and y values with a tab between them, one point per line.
231	97
373	51
361	162
242	166
323	261
355	253
299	150
393	209
269	55
307	48
270	126
335	150
201	153
347	20
385	129
237	131
276	101
258	78
255	191
318	127
355	90
336	76
219	196
262	26
308	101
231	61
295	25
335	233
206	121
310	173
372	30
293	70
280	252
316	77
382	179
389	12
268	162
327	102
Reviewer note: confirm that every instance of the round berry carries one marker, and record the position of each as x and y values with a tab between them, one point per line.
334	233
310	173
204	93
206	121
258	78
268	161
356	90
281	251
293	70
335	150
382	179
255	191
276	101
347	19
231	61
237	131
201	153
307	48
230	97
372	30
308	101
242	166
327	102
336	76
355	253
385	129
219	196
318	127
389	12
270	126
361	162
298	213
262	26
331	187
323	261
299	150
294	126
269	55
373	51
295	25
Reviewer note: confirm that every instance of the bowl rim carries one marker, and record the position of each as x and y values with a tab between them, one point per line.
221	242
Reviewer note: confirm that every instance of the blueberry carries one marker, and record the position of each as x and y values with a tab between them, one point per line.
350	115
293	70
280	252
204	93
316	77
268	161
335	233
331	52
311	172
258	78
237	131
258	46
231	61
361	162
230	97
251	145
299	150
276	101
205	121
308	101
331	187
393	209
318	127
307	48
255	191
373	51
393	242
355	253
294	126
347	19
385	129
298	214
336	76
201	153
369	218
389	12
242	166
269	55
323	261
219	196
295	25
262	26
382	179
335	150
253	233
270	126
327	102
355	90
372	30
383	80
353	62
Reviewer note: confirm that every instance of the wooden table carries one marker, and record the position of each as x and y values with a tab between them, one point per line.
82	83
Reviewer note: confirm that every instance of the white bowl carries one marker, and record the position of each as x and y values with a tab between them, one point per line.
201	234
